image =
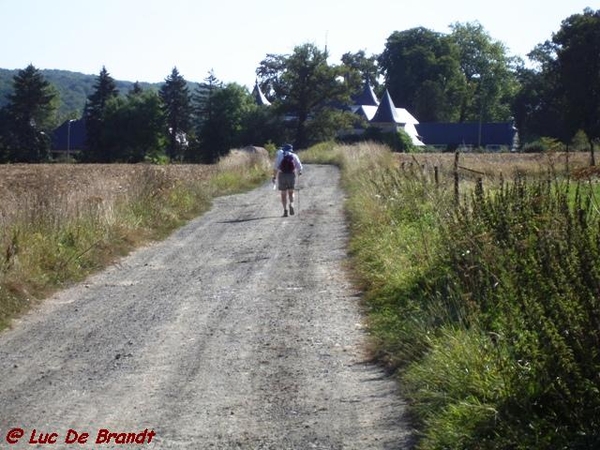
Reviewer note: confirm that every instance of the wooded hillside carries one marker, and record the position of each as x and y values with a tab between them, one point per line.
73	88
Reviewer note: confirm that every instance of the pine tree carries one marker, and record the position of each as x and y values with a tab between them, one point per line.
177	109
203	108
94	115
30	115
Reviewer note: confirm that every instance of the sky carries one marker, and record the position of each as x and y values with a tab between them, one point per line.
143	40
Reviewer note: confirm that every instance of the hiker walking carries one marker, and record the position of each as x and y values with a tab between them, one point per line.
286	166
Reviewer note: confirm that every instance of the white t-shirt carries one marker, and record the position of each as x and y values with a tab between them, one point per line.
279	157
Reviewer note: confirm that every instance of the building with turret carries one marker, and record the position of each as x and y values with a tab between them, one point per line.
384	115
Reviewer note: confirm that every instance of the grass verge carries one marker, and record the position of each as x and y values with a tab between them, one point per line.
487	309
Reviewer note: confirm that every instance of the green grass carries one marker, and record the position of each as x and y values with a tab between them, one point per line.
488	310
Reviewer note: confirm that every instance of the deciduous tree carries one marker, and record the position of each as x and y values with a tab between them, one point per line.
488	73
134	128
577	46
422	73
305	85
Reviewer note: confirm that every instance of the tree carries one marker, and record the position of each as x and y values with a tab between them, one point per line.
488	74
177	110
357	69
269	73
29	116
577	46
223	128
305	86
539	104
134	128
421	70
94	114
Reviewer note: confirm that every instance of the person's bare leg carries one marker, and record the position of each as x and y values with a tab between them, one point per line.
284	202
291	196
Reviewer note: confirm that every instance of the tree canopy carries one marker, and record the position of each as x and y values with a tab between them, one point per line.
306	86
177	108
30	110
461	76
95	114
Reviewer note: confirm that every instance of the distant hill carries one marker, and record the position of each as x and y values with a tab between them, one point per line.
73	87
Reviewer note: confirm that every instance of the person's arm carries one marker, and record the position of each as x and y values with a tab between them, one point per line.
278	157
297	164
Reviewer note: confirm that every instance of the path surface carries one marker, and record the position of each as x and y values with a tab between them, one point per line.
240	331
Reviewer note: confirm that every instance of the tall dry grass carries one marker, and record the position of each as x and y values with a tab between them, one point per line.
58	223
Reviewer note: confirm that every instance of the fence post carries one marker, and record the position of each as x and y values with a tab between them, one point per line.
436	175
456	179
479	189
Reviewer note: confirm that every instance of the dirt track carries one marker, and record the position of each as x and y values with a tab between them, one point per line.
240	331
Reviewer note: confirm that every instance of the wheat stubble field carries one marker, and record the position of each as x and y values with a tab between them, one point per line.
61	222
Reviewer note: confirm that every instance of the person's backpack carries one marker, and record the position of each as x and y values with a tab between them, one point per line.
287	163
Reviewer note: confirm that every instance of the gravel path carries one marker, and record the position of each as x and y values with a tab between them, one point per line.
240	331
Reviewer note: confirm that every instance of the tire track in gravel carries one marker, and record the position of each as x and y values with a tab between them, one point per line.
240	331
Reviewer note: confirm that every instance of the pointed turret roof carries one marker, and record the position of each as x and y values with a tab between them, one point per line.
386	112
259	97
367	96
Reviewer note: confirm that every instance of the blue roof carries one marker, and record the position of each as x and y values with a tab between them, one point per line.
386	112
367	96
470	133
72	137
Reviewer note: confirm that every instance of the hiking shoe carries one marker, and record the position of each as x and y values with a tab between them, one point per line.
285	213
291	210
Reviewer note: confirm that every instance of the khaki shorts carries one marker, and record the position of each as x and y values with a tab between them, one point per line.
286	181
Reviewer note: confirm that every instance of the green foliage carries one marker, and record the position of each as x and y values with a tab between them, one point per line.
134	128
358	68
95	115
305	85
489	308
577	45
422	68
398	141
490	78
223	129
561	96
177	110
28	118
327	123
580	142
73	89
537	146
528	257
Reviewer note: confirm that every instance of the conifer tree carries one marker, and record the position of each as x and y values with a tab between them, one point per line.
203	111
177	110
94	115
30	114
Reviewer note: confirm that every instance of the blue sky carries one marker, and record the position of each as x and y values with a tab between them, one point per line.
144	39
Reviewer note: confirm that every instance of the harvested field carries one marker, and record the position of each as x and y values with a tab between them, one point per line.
497	164
27	189
105	180
60	222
